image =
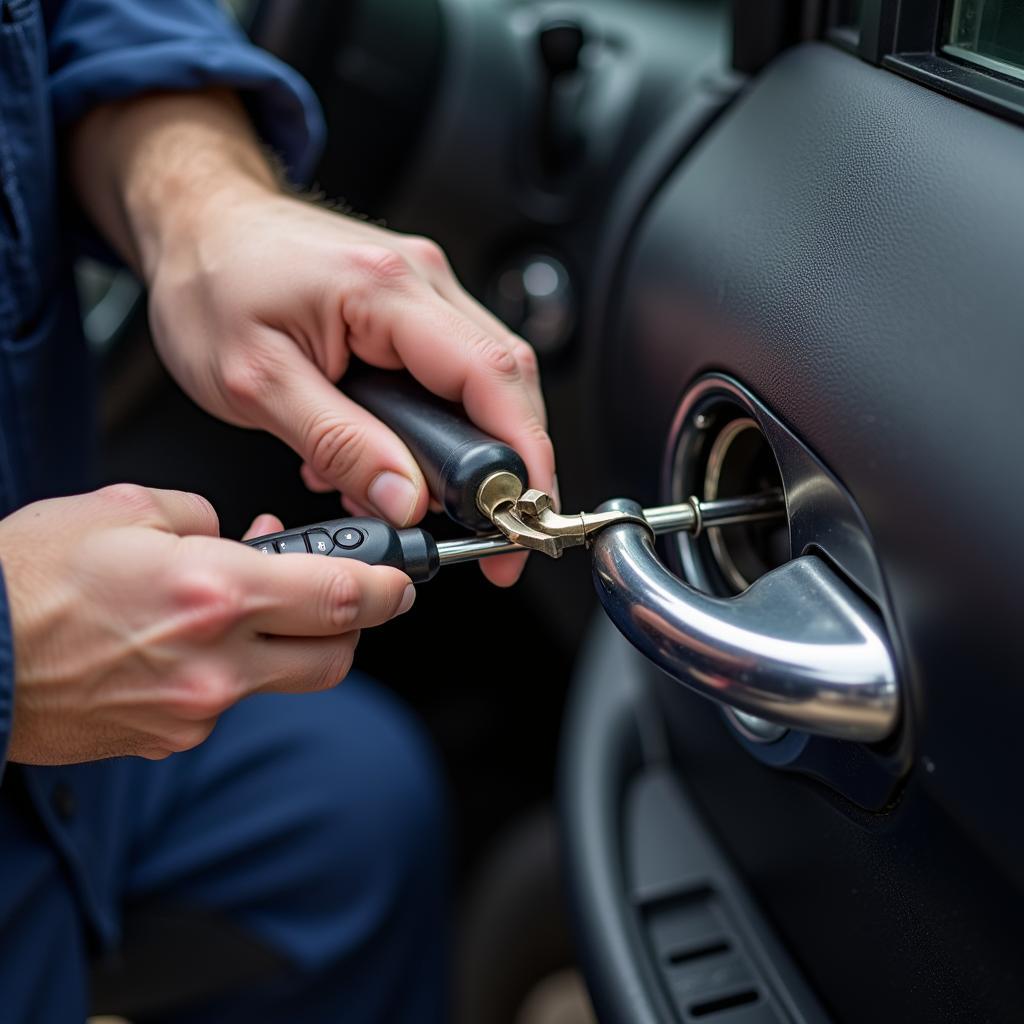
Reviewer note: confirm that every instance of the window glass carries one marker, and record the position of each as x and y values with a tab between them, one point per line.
989	33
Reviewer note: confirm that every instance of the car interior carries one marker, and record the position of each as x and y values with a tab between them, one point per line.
768	772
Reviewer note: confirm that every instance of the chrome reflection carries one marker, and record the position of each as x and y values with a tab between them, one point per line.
798	648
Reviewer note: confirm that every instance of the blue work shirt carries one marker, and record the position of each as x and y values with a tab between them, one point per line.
58	59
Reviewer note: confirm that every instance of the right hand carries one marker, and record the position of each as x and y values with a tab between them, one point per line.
135	625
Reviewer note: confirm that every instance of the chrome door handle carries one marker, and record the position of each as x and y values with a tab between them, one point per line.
799	647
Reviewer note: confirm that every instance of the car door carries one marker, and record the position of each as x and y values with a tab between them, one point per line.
843	248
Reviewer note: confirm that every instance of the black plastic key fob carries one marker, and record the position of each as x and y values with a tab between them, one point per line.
364	539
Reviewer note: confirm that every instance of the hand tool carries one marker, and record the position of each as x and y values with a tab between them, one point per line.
481	483
416	553
798	648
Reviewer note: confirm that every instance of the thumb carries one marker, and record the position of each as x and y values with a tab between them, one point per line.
263	524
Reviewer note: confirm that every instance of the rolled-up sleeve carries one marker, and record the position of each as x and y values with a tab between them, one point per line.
6	675
102	50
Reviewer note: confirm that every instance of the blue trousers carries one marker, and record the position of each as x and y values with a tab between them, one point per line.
316	823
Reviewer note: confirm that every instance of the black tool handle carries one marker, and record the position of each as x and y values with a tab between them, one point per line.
455	456
367	540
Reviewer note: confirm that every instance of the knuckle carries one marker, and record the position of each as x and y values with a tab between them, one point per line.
538	433
205	695
247	382
526	357
540	443
543	441
427	252
208	600
336	448
495	356
341	602
382	266
131	498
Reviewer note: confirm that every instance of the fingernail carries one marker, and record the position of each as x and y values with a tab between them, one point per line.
393	496
407	600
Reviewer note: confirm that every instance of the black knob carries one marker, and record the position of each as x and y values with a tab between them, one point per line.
455	456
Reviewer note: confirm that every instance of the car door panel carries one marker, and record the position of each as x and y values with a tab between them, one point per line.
847	245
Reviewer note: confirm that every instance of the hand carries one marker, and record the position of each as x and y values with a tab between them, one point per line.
258	299
135	625
257	317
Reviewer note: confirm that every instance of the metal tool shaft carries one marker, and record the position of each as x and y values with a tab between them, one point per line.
719	512
469	549
663	519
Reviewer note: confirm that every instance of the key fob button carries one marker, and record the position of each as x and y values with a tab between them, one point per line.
320	542
349	538
286	545
267	548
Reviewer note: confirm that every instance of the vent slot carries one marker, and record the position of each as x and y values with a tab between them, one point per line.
730	1002
705	967
685	956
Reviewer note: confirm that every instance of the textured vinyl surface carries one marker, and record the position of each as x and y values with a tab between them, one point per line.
850	246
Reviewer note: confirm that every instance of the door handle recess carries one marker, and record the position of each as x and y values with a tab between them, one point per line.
799	647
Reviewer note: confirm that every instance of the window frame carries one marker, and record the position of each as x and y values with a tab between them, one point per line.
910	38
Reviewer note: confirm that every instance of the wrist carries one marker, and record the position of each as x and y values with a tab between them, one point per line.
173	223
171	159
201	156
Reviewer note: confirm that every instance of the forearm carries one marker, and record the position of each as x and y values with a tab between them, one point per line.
145	169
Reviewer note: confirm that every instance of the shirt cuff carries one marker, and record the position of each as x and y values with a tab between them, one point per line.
283	106
6	675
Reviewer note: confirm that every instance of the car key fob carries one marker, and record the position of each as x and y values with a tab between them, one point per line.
360	538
